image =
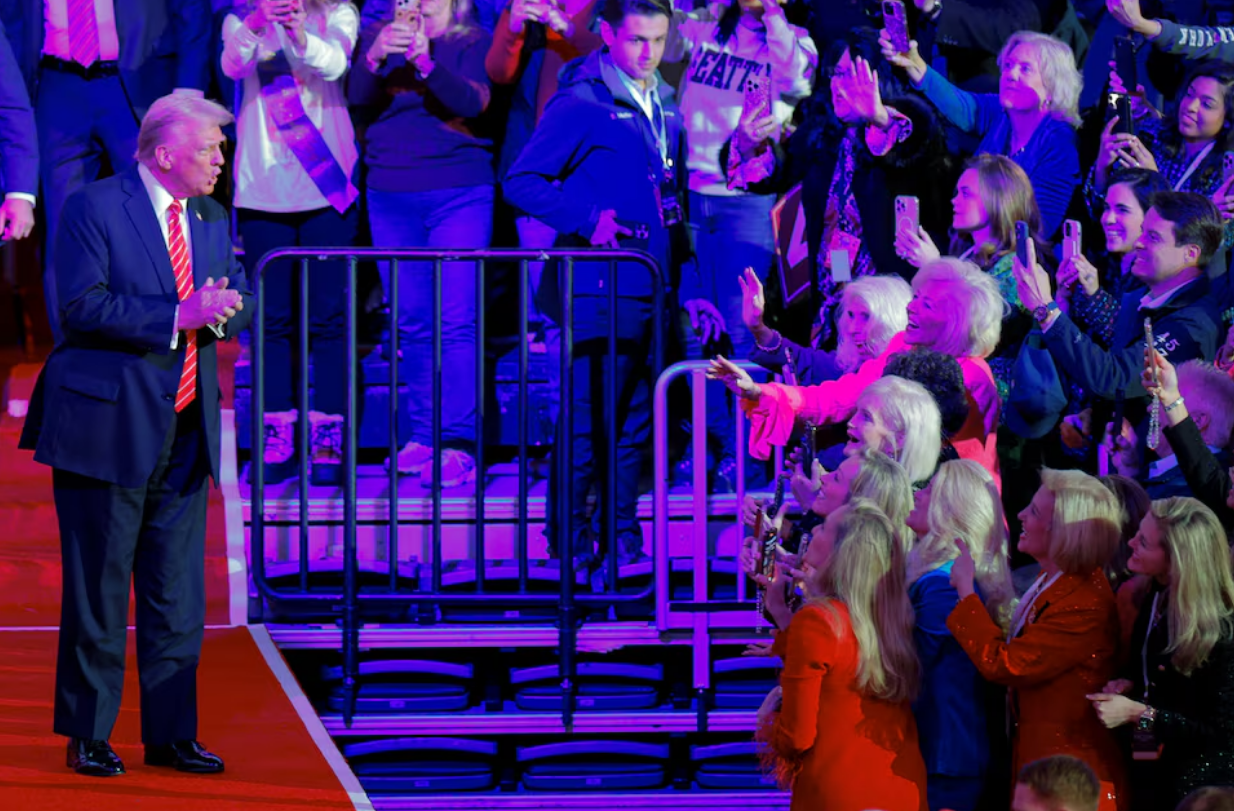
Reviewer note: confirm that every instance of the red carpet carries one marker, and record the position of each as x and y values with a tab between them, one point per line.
272	762
30	554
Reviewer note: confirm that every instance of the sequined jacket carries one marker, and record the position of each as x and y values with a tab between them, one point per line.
1195	715
1066	650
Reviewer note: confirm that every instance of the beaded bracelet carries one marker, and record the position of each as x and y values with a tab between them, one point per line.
770	349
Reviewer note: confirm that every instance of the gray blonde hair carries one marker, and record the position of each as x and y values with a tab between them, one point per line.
972	296
883	481
180	109
911	413
1086	530
887	298
1059	75
1201	590
965	504
1212	392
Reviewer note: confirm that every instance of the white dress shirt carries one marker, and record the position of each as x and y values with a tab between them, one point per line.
56	30
161	199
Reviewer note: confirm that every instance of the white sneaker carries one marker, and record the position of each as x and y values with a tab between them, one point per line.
280	436
413	459
457	468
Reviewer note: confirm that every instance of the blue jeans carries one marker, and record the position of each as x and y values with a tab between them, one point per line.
730	234
459	218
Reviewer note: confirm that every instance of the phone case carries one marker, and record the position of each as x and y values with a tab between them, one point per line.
1021	241
408	11
1149	342
895	20
1122	108
841	266
1124	62
908	214
756	96
1071	239
1227	166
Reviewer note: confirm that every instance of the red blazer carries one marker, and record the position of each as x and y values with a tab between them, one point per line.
849	752
1067	649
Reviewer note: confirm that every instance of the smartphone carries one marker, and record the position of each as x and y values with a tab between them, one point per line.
756	97
1227	166
841	266
1124	62
408	11
908	215
1071	239
1148	342
895	20
1122	109
1021	242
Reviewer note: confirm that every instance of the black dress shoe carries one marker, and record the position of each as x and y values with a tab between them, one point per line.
93	758
184	756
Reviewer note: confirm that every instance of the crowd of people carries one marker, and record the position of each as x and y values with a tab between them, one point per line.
987	259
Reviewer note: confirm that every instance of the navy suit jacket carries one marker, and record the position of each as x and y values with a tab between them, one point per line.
164	44
104	401
19	150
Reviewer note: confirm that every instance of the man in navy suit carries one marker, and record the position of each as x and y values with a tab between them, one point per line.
126	412
19	150
92	68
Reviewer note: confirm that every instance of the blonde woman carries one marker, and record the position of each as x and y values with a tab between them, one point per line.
1179	694
961	501
1031	120
873	310
1063	636
956	309
840	728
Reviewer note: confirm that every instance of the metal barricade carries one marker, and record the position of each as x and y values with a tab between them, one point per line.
349	600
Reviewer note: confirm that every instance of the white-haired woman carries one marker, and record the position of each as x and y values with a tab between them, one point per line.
872	311
296	157
1032	118
429	185
1179	690
839	727
956	309
1063	636
960	502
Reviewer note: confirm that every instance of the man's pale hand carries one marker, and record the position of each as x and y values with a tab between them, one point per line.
607	230
210	304
705	320
1128	13
16	218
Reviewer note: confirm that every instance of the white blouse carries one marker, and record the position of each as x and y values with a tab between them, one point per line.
269	177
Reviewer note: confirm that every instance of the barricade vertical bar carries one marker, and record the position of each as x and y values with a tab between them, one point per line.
698	451
610	434
740	421
523	422
565	498
435	541
351	597
257	477
481	555
392	381
302	417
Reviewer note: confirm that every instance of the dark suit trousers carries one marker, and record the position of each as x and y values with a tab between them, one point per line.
153	536
79	122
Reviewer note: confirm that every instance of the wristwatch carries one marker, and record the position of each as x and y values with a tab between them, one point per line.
1043	312
1147	719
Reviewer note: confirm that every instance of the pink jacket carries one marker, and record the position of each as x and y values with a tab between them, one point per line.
773	415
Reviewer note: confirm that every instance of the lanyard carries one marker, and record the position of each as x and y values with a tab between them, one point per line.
1195	164
1152	623
1026	605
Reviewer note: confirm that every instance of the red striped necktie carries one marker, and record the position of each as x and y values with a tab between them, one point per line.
184	288
83	32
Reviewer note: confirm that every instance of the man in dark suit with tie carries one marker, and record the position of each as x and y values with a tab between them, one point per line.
126	411
19	150
92	68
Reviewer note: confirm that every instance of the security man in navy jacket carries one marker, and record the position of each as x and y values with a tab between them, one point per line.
606	168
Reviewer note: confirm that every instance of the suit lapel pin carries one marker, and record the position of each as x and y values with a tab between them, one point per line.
198	213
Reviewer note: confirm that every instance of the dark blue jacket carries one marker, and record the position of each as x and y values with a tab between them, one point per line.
951	708
19	149
594	150
1184	328
164	44
105	399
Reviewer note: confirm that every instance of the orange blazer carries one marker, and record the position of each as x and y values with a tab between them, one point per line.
844	750
1067	648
